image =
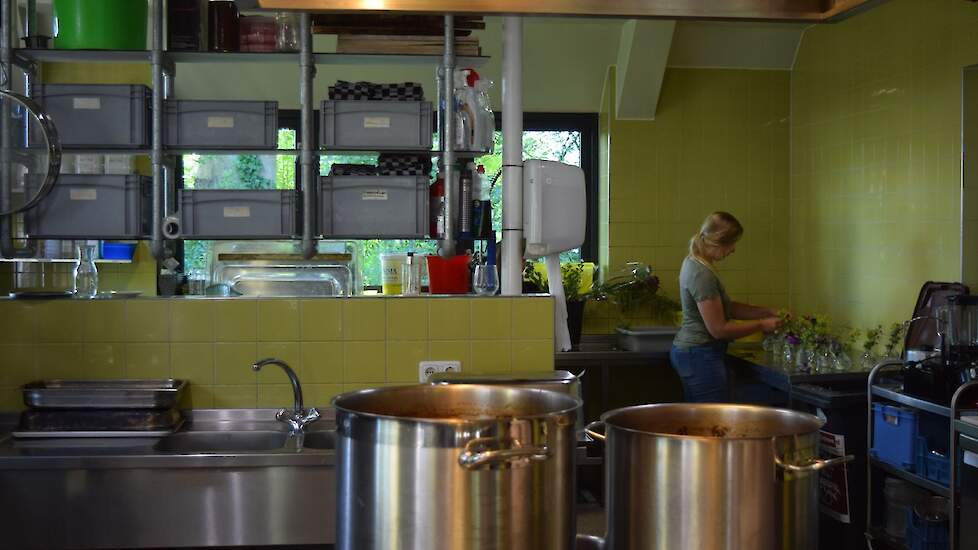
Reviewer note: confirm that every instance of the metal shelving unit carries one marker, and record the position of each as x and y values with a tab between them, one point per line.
26	56
912	478
895	395
163	71
955	426
958	427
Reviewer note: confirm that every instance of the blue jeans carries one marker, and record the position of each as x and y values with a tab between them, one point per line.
702	372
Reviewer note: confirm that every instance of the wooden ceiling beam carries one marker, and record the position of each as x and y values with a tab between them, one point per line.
813	11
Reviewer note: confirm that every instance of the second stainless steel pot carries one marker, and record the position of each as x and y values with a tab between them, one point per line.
456	466
723	477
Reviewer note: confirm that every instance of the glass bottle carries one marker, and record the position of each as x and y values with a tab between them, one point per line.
410	277
85	275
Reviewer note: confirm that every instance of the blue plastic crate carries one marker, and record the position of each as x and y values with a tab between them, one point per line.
895	436
934	467
925	535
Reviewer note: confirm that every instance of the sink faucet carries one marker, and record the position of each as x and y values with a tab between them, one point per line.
298	418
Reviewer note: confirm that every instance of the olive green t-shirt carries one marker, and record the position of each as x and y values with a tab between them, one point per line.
698	283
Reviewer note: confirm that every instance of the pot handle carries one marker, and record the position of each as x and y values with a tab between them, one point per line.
589	429
814	465
476	453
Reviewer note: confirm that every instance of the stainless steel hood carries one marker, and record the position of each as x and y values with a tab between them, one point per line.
812	11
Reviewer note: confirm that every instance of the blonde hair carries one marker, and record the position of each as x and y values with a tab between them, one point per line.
718	229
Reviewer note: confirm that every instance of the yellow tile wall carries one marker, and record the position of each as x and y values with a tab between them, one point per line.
335	345
719	141
875	158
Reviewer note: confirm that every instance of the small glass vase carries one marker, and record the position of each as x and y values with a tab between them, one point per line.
788	355
867	360
85	275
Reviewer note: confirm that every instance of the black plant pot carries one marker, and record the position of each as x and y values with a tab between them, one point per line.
575	321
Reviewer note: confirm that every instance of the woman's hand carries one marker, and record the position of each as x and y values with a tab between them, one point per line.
770	324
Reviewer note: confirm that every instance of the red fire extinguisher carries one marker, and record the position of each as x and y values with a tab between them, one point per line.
436	202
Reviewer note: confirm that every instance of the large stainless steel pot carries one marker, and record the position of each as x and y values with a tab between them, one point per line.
723	477
455	466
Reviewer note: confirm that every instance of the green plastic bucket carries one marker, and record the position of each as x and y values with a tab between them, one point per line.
100	24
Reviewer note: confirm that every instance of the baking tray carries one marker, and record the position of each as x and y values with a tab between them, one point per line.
59	423
104	394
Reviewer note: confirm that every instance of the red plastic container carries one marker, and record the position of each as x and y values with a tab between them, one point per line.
449	275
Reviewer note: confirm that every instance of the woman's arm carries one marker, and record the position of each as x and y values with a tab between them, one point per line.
720	328
748	312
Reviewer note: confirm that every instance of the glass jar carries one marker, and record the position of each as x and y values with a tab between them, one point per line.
85	275
287	34
223	26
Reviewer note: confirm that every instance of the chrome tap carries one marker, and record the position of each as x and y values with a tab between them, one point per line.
298	418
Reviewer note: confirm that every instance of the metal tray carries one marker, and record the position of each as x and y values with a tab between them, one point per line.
90	434
104	394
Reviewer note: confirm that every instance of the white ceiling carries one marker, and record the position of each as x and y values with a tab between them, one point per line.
735	45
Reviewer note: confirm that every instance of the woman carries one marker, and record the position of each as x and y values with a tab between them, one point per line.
701	344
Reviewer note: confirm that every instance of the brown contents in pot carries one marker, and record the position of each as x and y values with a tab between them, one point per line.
714	431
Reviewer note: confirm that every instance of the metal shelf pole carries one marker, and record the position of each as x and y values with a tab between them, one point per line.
156	156
307	160
871	380
953	455
447	246
6	64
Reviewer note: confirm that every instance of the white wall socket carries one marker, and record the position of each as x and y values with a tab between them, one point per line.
427	368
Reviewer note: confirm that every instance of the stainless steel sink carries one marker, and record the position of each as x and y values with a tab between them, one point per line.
320	440
222	441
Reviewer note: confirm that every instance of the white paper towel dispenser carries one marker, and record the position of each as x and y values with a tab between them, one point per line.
554	220
554	207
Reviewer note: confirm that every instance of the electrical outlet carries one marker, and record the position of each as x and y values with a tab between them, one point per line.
427	368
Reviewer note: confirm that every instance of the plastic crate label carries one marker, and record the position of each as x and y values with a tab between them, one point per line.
237	212
83	194
376	122
87	103
890	419
220	122
374	195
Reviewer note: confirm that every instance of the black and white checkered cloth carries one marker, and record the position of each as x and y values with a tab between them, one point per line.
403	165
368	91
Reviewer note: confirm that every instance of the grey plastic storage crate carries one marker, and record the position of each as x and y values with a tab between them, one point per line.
373	206
237	213
221	124
98	116
92	206
376	125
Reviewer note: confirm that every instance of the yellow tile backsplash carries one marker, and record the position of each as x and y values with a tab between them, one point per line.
719	141
278	320
334	345
876	158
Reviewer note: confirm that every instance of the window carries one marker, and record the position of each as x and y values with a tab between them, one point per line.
569	138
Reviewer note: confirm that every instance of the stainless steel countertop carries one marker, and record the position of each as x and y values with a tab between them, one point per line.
92	453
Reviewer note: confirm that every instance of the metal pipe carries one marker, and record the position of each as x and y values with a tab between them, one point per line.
6	63
512	259
157	246
307	160
447	246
